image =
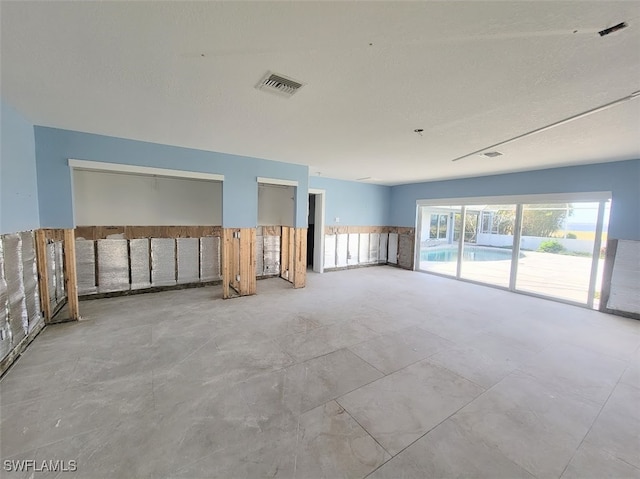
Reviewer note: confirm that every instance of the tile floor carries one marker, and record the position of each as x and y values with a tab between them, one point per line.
376	372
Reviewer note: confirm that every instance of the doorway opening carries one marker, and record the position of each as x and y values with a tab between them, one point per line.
311	230
315	231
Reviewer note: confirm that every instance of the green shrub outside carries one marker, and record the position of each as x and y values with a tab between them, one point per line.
551	246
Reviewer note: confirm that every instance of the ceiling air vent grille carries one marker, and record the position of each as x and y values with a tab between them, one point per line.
279	84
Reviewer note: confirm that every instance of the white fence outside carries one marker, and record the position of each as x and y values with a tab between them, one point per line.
534	242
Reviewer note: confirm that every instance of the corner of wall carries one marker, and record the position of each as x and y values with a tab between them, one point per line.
19	208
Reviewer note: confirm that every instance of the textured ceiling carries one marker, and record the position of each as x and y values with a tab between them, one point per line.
470	74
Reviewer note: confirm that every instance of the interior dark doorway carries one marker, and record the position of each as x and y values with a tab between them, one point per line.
311	231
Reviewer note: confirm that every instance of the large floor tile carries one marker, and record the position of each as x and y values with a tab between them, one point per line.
303	346
450	451
593	463
483	366
304	386
575	371
617	428
394	351
330	444
399	408
529	423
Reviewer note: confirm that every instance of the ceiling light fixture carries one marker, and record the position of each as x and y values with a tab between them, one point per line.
612	29
491	154
600	108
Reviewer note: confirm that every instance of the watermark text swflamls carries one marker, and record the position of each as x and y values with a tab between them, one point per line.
31	465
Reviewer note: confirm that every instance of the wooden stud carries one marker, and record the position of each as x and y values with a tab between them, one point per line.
284	253
292	255
227	235
247	259
43	275
70	274
300	267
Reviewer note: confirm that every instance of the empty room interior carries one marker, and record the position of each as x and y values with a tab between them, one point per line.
320	239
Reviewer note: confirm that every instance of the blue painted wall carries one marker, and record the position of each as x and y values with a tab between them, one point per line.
54	147
621	178
356	204
18	185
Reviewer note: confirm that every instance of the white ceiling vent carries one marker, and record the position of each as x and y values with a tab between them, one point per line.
279	84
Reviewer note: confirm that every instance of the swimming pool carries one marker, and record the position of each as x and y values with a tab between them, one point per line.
470	253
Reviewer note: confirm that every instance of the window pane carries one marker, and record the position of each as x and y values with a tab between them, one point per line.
487	253
557	246
433	230
438	250
442	228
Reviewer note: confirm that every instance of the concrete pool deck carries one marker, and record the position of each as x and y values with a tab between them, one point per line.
555	275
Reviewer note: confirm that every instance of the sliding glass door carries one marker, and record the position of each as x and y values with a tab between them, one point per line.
557	242
545	248
488	245
438	240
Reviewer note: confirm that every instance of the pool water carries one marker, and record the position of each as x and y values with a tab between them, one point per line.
470	253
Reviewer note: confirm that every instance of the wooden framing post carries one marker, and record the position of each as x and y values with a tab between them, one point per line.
227	249
284	253
238	262
300	261
43	275
70	274
247	261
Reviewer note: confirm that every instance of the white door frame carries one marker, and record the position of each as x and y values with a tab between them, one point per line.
318	237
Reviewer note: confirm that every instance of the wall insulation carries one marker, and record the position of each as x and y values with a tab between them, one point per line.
384	245
19	297
363	251
30	274
355	249
271	251
259	255
342	250
268	250
209	259
374	247
5	329
61	294
113	265
188	250
392	255
86	267
116	264
140	263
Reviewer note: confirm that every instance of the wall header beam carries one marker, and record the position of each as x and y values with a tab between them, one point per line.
594	196
276	181
142	170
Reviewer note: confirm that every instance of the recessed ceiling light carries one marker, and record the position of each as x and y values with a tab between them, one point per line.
492	154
